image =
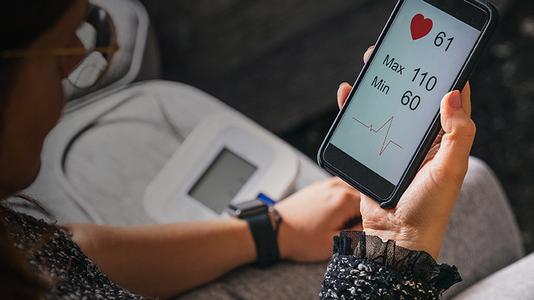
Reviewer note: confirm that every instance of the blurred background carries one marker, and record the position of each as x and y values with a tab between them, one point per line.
280	63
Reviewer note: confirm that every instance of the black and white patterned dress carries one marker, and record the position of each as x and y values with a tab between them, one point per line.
364	267
75	276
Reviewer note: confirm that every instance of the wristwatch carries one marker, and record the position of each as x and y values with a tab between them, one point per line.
263	220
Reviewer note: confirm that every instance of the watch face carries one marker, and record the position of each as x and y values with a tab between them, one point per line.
249	208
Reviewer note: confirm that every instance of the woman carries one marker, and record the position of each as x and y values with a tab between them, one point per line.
89	261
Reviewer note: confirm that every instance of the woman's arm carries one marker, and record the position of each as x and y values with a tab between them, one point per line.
165	260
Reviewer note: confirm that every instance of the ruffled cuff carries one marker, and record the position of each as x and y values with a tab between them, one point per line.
417	264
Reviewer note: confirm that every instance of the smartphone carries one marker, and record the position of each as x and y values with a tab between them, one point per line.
391	118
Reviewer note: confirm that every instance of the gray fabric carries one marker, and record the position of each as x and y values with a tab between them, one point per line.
515	282
111	165
483	235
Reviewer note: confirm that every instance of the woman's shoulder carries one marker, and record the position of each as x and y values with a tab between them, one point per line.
26	231
52	251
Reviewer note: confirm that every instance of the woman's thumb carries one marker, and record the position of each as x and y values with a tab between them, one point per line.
460	130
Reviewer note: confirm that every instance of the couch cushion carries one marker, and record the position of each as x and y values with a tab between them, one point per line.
513	282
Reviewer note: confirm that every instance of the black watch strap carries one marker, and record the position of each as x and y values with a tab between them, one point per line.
265	239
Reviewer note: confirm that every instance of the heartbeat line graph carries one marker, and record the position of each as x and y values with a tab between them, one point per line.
387	141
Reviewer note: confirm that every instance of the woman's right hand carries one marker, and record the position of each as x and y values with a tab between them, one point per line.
420	219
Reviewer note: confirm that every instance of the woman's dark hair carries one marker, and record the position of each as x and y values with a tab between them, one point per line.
21	22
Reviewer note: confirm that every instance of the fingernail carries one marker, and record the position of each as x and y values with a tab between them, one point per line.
341	84
456	100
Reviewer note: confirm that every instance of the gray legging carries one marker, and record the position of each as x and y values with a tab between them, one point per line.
482	238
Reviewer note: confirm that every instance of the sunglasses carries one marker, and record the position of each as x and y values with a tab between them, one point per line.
98	38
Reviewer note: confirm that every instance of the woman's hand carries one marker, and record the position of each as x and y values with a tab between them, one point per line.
312	216
419	220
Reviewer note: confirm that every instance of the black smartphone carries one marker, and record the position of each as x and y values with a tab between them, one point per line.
391	118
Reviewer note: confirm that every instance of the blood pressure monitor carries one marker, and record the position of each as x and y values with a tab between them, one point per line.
226	159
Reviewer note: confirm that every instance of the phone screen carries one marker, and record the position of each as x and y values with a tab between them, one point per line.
397	99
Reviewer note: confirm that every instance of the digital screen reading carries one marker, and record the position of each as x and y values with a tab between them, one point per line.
400	94
222	180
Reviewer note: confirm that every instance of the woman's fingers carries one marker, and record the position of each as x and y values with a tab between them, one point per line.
452	157
368	53
342	94
466	98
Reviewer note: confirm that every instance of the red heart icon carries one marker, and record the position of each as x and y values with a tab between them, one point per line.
420	26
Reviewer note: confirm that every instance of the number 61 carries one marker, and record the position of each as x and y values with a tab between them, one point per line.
440	38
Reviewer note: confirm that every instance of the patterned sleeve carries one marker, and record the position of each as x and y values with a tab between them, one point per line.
364	267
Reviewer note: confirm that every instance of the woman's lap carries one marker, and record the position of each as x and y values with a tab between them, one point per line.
483	235
283	281
482	238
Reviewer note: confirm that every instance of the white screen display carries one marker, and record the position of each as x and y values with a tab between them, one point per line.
400	94
222	180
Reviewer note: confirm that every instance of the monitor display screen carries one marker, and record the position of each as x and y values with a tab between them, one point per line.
222	180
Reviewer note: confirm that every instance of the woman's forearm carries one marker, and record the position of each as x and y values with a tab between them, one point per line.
164	260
